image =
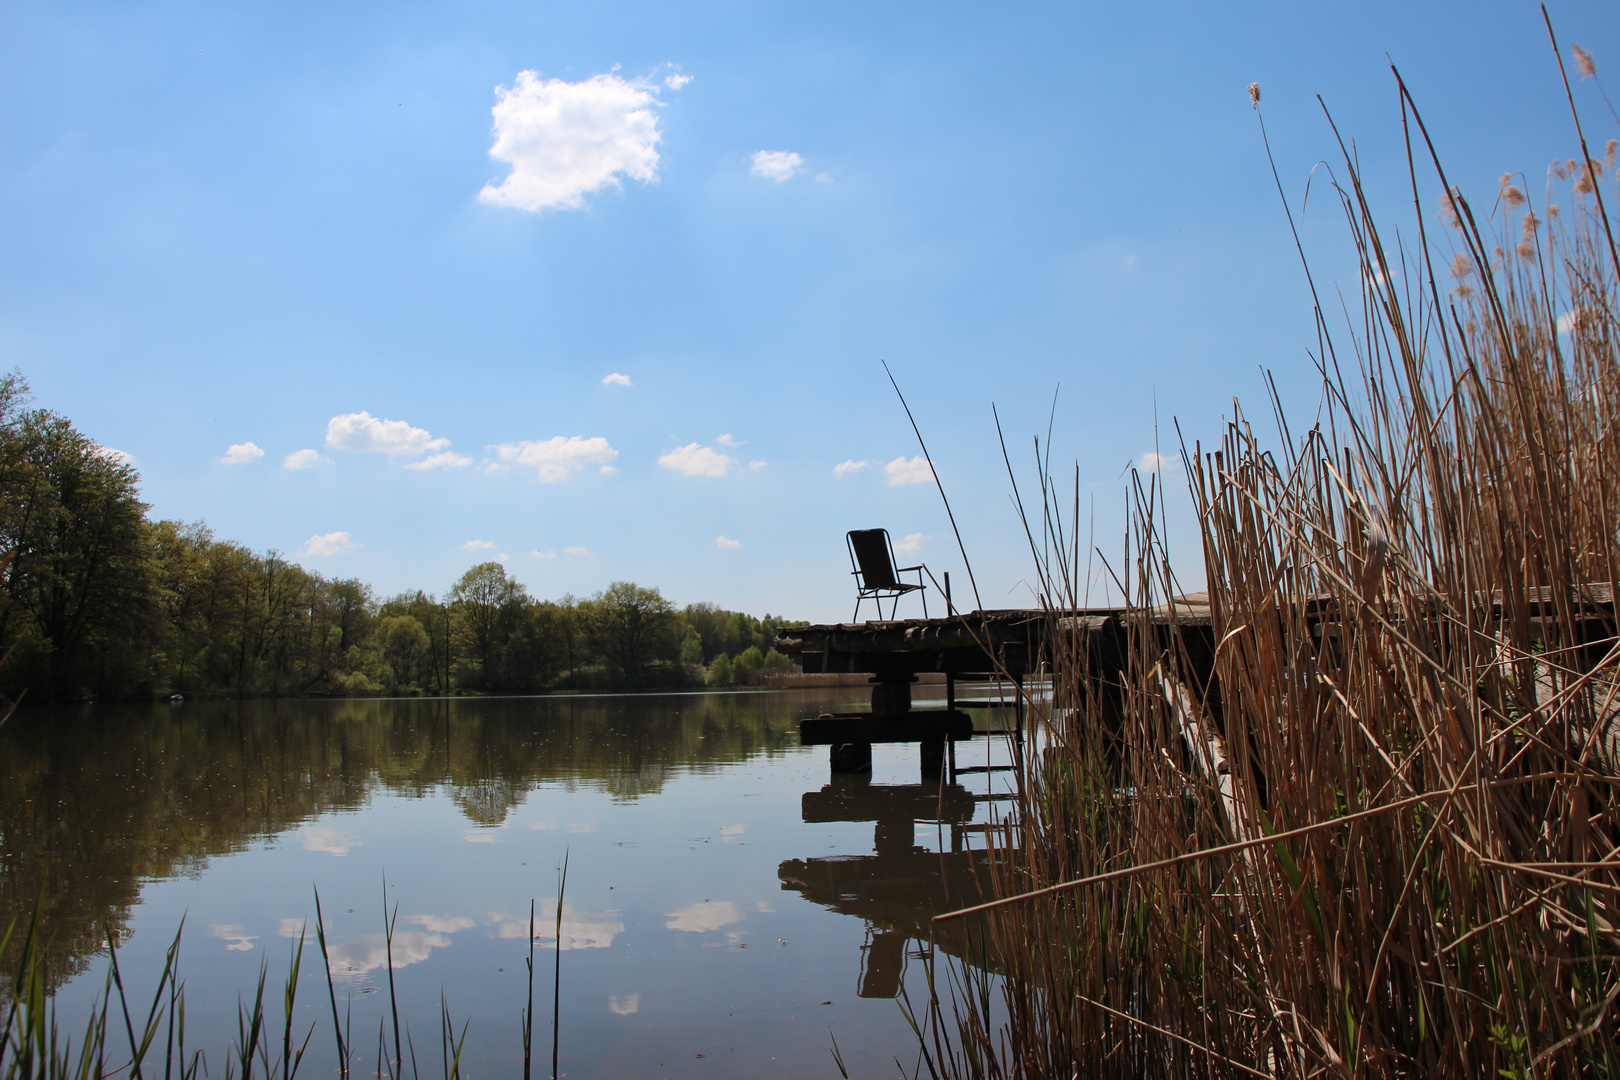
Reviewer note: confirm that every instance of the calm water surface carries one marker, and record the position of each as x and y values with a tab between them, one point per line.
728	905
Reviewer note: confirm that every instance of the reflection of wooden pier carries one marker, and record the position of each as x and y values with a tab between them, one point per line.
897	888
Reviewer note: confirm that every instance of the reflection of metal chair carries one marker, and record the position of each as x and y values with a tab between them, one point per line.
871	554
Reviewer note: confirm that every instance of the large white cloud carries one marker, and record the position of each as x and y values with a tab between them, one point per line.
778	165
556	458
917	470
565	140
362	431
695	460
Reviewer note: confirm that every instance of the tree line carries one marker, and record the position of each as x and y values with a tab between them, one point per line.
100	601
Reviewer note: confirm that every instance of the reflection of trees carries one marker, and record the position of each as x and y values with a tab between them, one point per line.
97	800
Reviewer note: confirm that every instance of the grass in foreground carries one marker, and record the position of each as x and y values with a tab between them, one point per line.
1375	833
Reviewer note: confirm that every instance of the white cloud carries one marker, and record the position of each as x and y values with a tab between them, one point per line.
293	928
675	82
240	940
1153	461
607	470
704	916
478	545
850	466
917	470
911	544
447	460
565	140
778	165
538	554
576	551
117	457
363	432
725	543
304	459
330	841
695	460
241	454
333	543
728	440
365	953
554	458
628	1005
616	379
824	178
755	466
580	929
442	924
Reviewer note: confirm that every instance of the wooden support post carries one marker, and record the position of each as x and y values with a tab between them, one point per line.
932	755
850	757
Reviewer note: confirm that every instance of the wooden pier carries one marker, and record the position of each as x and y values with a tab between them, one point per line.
1001	647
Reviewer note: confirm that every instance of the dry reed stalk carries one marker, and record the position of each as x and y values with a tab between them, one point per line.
1412	668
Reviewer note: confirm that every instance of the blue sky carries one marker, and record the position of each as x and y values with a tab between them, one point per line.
224	225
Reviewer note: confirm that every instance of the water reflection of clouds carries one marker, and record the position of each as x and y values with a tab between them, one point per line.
704	917
442	924
240	940
365	953
580	929
628	1005
329	840
729	832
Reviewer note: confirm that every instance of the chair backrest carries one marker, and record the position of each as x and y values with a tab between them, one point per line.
873	558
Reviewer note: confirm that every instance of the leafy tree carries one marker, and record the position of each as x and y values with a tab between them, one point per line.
721	671
631	628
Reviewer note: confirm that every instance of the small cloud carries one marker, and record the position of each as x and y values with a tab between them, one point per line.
327	840
333	543
241	454
704	916
755	466
1152	461
447	460
850	466
728	440
917	470
675	82
580	929
725	543
304	459
117	457
628	1005
824	178
565	140
240	940
695	460
616	379
911	544
576	551
502	557
442	924
778	165
728	831
293	928
478	545
538	554
364	433
554	459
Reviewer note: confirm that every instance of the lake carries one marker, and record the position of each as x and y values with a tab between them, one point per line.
730	909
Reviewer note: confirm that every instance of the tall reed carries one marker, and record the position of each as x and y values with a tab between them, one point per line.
1363	825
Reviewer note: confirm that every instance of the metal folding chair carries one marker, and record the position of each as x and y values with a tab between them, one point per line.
871	555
